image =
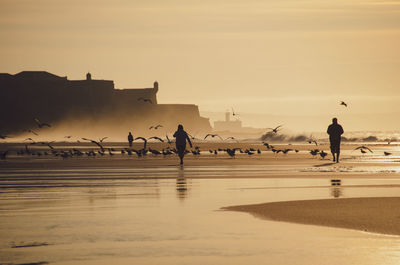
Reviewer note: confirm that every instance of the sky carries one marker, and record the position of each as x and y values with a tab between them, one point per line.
259	56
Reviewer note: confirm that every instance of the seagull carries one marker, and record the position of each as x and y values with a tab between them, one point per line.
312	140
145	100
102	139
231	138
362	149
157	138
68	136
95	142
169	141
213	135
41	124
268	146
31	131
343	103
276	129
3	155
323	154
314	152
155	127
29	139
48	144
233	112
387	153
143	139
192	137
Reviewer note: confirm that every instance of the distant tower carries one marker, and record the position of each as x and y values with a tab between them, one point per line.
156	85
227	116
88	76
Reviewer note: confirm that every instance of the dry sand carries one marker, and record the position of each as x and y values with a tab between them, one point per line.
378	215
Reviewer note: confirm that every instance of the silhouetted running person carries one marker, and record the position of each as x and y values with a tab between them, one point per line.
181	137
335	132
130	139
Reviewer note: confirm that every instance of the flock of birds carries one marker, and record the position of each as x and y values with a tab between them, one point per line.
103	150
165	152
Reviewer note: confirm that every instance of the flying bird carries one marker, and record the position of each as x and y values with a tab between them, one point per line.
231	138
95	142
145	100
4	136
192	137
343	103
41	124
213	135
157	138
102	139
31	131
155	127
145	142
233	113
48	144
168	140
362	148
310	141
276	129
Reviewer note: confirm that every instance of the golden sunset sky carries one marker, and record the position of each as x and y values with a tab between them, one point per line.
260	56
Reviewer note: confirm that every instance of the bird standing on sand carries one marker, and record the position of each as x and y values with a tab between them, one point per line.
323	154
343	103
3	155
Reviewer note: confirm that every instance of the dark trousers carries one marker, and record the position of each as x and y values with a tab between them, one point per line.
181	150
335	147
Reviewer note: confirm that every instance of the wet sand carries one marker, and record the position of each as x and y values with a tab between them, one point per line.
149	210
377	215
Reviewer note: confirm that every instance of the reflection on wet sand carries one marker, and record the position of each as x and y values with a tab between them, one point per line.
336	191
142	220
181	185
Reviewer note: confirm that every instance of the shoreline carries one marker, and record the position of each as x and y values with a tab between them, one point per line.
368	214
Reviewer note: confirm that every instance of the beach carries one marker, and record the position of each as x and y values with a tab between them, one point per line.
149	210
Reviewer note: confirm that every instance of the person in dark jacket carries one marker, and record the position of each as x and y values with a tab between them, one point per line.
335	132
130	139
181	137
